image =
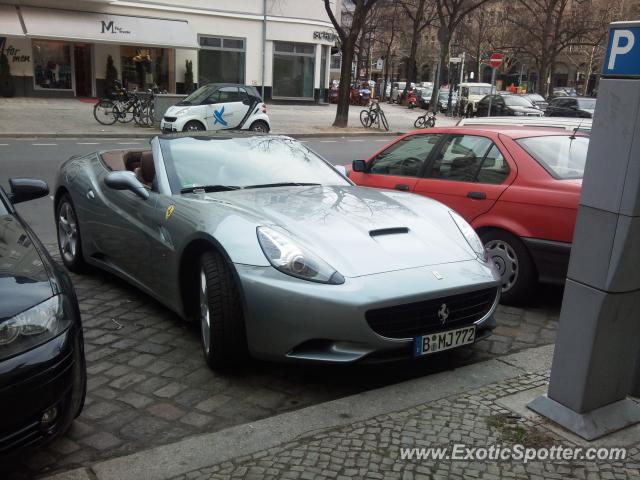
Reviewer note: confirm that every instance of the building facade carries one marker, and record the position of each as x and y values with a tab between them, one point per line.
61	47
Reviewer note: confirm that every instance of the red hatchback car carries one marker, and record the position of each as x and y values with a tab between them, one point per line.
518	187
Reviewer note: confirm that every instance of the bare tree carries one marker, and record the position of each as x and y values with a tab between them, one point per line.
348	41
422	14
450	14
547	28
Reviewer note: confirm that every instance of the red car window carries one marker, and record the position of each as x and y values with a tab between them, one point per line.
404	158
460	158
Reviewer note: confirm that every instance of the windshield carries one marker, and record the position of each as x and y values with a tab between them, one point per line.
479	90
513	101
197	97
587	103
243	162
535	97
562	156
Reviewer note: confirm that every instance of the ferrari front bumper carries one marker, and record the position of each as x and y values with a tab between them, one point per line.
289	318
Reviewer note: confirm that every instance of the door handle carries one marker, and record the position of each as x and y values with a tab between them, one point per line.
403	187
90	195
477	195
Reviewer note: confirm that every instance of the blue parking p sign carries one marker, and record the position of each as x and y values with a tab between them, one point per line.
622	58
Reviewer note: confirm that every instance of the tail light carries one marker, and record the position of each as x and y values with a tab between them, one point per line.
264	108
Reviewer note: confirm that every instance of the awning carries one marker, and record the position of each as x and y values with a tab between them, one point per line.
10	22
107	28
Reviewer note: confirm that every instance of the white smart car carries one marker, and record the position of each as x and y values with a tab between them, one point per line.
218	106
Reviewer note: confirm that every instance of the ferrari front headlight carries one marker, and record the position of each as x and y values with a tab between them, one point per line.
289	257
33	327
470	236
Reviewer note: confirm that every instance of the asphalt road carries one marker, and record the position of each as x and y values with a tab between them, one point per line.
40	158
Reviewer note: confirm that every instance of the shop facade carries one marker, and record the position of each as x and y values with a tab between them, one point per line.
61	48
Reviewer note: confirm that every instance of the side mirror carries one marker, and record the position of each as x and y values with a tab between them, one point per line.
126	180
342	169
24	189
246	101
359	166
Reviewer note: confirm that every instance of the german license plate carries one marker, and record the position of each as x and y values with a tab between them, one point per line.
437	342
168	126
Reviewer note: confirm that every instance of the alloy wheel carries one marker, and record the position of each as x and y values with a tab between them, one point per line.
505	259
67	232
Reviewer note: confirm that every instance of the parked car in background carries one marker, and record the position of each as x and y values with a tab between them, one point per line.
563	92
469	94
218	106
244	233
519	187
537	100
443	100
506	105
424	96
396	90
582	107
42	366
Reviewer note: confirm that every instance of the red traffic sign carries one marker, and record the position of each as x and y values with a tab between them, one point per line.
496	60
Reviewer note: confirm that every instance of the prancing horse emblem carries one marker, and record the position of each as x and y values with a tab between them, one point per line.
443	313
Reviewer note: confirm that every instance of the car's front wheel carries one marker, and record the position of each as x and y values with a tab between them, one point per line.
193	126
514	264
222	328
68	228
259	126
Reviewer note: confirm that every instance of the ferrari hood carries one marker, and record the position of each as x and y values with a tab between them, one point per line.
358	231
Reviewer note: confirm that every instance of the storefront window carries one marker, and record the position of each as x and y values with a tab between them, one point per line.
221	60
293	68
145	67
52	65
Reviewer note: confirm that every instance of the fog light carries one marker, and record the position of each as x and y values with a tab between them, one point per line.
48	417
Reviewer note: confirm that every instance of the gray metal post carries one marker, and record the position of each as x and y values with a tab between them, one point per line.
597	344
493	81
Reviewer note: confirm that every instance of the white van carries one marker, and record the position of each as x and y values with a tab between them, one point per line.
470	94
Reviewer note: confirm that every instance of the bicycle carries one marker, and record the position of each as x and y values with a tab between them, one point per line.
108	111
428	120
374	114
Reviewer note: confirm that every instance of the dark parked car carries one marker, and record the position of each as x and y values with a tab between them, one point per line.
510	105
42	365
582	107
537	100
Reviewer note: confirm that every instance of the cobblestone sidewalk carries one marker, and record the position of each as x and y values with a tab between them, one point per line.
371	449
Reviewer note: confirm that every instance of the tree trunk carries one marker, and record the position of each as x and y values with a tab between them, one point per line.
342	111
444	53
412	74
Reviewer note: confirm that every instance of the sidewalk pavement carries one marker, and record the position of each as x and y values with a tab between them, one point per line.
360	436
39	117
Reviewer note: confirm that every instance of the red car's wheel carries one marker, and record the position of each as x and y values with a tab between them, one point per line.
514	264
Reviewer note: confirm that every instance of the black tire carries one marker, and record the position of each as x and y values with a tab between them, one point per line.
365	118
420	122
514	263
222	329
70	252
104	113
259	126
431	122
385	124
193	126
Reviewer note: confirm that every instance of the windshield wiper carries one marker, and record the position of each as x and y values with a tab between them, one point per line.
283	184
209	188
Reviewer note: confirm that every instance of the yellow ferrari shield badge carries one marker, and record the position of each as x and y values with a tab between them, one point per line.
169	212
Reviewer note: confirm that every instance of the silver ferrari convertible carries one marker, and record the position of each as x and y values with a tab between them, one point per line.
275	252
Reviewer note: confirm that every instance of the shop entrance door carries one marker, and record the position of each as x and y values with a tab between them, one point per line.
82	65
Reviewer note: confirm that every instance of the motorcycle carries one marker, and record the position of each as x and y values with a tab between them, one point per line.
412	100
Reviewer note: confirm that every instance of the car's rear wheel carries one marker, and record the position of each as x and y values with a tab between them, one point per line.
193	126
514	264
68	229
222	328
259	126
